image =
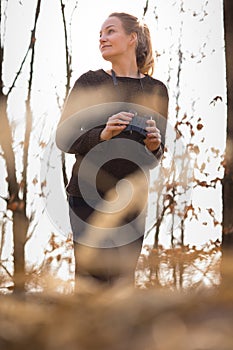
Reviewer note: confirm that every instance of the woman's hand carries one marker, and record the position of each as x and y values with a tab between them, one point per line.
115	125
153	137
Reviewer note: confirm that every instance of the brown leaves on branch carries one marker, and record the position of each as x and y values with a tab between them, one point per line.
215	100
194	148
14	203
199	126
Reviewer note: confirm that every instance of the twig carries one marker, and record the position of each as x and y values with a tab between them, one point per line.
19	71
68	56
145	8
6	270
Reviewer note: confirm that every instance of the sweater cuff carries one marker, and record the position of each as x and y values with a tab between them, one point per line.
158	153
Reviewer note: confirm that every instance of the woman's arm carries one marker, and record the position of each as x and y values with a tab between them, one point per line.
78	99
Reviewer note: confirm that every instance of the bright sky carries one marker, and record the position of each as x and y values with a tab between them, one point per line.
202	76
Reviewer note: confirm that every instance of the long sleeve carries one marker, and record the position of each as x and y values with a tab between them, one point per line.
86	142
78	100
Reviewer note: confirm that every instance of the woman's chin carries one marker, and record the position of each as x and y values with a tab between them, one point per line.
106	57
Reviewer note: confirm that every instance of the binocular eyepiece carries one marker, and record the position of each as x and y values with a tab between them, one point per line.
138	123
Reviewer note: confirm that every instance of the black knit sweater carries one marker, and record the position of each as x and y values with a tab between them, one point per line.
94	88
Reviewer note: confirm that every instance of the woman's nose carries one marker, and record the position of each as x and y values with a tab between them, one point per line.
102	38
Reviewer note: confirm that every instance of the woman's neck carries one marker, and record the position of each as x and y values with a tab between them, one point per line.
126	70
126	75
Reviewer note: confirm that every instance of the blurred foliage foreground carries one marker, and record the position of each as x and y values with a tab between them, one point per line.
148	317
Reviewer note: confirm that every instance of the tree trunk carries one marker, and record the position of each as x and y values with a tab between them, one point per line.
227	190
17	206
20	228
14	202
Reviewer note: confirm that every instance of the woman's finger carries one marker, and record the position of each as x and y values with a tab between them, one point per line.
117	121
122	116
151	122
155	135
152	129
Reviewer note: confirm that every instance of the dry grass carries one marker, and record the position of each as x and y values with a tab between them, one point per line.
121	318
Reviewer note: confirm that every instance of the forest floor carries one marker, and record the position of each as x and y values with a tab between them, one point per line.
148	317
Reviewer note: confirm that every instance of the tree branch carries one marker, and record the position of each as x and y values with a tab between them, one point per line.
68	75
28	127
145	8
30	46
68	56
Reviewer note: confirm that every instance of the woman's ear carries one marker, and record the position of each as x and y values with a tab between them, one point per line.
134	38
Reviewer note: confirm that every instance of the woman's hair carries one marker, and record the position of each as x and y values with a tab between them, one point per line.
144	54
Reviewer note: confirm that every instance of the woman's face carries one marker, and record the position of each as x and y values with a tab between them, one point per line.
114	42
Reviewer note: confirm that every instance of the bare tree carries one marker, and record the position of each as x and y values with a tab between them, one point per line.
68	61
17	201
17	189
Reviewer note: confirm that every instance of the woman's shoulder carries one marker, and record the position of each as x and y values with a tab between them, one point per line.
92	76
156	84
154	81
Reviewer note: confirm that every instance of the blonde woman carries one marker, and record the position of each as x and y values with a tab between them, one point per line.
109	145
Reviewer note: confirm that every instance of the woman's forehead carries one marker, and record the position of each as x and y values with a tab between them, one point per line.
111	21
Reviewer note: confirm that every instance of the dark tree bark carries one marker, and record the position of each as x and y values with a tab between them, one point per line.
228	176
226	286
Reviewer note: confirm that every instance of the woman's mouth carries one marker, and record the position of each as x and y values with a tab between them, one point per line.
105	46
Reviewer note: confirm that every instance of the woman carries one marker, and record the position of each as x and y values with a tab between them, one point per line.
108	147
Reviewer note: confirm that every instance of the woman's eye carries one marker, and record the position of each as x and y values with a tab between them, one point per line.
110	31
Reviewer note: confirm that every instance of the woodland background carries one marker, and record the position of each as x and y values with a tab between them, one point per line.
184	282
